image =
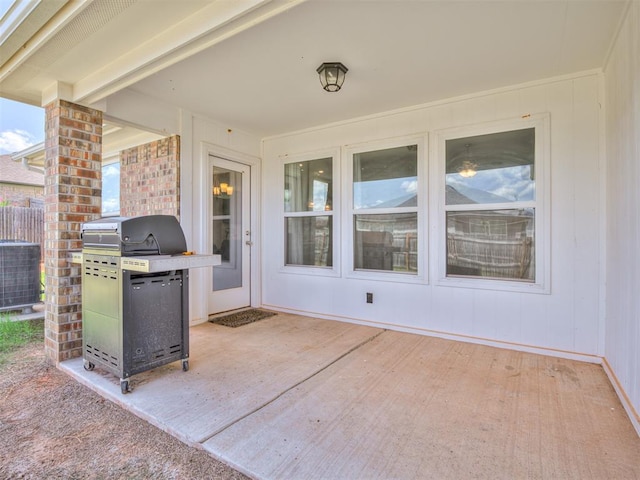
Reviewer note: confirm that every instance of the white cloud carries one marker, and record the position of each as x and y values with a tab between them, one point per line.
410	186
111	171
15	140
110	205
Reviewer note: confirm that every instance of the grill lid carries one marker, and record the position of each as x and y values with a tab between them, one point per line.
148	235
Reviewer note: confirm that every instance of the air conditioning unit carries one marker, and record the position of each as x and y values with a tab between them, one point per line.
19	274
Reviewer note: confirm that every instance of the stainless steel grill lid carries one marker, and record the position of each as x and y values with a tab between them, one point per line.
148	235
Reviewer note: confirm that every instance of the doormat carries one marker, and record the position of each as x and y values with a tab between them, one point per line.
244	317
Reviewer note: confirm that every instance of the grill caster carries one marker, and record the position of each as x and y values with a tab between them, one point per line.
88	366
185	365
124	386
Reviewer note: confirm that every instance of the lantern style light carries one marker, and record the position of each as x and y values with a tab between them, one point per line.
332	75
468	168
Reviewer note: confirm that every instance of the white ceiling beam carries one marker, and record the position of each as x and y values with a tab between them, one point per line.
57	90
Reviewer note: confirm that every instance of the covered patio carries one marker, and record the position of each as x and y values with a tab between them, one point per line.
299	397
378	381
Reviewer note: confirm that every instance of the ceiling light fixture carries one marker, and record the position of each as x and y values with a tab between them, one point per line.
468	168
332	75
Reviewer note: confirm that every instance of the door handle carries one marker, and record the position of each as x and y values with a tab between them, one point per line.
249	242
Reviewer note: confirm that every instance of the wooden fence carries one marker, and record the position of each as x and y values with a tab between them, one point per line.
22	223
490	257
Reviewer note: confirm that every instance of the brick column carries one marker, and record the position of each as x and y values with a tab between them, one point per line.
73	188
150	179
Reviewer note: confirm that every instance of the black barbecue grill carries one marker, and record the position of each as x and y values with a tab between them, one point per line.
135	295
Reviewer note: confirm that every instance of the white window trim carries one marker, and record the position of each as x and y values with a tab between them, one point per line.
313	270
542	204
422	276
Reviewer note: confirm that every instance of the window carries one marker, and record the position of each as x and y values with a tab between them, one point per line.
493	200
385	210
111	189
308	207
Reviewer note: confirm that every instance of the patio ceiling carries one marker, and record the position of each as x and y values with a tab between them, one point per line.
251	64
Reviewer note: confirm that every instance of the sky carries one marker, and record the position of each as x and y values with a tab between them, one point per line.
4	6
21	126
508	184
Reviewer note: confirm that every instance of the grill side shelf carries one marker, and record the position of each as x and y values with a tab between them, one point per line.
161	263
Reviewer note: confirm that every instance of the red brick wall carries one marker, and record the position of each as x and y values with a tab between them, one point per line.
73	159
20	195
150	179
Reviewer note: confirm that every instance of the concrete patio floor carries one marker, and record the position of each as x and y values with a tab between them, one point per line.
293	397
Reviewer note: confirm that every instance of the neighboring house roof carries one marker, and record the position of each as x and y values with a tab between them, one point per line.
463	195
15	173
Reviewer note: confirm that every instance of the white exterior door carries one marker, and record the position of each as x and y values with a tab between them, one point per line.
230	234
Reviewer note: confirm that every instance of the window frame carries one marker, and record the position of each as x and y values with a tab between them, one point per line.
348	245
334	270
541	284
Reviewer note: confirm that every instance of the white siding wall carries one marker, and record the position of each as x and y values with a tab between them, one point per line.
568	319
622	77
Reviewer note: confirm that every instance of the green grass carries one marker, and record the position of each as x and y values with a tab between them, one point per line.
13	335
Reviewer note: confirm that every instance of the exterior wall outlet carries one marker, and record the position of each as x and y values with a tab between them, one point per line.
369	297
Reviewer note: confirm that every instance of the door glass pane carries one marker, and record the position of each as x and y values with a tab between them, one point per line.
386	242
492	168
491	244
308	241
227	228
386	178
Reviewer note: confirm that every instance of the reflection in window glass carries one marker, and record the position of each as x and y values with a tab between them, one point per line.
309	241
385	178
385	183
226	202
493	168
226	227
491	244
308	207
386	242
308	186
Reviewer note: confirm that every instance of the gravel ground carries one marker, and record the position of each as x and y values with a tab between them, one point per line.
55	428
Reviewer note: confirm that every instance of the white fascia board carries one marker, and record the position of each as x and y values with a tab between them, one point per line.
200	31
57	23
18	11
